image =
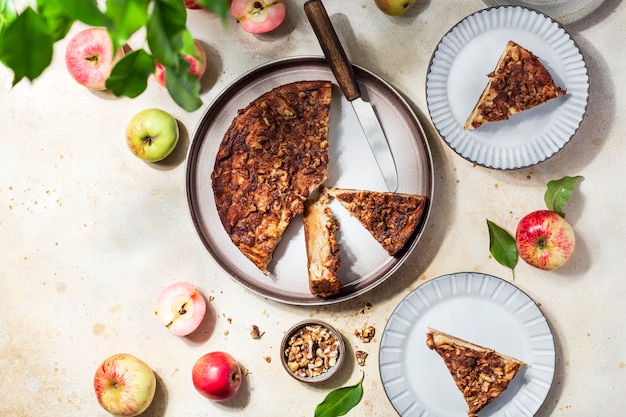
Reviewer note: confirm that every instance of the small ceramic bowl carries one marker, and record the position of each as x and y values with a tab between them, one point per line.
312	351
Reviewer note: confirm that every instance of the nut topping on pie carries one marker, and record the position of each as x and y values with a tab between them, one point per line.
519	82
274	154
480	373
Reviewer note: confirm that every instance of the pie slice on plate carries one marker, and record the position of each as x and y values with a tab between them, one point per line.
391	218
322	249
519	82
480	373
273	155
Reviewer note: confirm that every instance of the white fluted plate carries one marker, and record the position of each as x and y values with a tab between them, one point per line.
479	308
457	75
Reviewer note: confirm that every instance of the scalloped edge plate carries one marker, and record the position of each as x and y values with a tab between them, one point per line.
457	75
564	11
479	308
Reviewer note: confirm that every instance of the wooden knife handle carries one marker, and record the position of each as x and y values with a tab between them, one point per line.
335	55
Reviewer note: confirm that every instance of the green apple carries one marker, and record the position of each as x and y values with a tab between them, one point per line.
124	385
394	7
152	134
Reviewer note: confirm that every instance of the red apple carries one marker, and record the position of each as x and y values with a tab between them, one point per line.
544	239
89	57
191	4
197	62
124	385
258	16
217	376
181	308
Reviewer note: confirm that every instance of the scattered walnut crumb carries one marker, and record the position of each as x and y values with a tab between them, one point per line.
255	333
366	334
360	357
366	307
226	332
267	358
211	298
229	320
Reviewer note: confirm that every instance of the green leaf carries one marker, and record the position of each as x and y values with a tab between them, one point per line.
559	192
55	16
340	401
129	76
127	17
502	246
86	11
166	31
7	13
26	46
183	86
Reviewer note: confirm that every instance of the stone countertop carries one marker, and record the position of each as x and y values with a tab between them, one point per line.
90	234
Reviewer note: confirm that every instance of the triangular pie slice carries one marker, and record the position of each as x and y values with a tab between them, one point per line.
519	82
391	218
272	157
480	373
322	248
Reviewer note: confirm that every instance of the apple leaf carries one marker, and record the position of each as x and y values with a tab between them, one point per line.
183	86
86	11
55	16
165	31
129	76
338	402
7	13
127	16
559	192
502	246
219	7
26	46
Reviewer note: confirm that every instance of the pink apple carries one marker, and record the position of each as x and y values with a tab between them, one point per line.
181	308
217	376
191	4
124	385
544	239
258	16
89	57
197	62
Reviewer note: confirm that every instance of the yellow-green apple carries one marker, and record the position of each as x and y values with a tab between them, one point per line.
544	239
217	376
152	134
197	64
124	385
394	7
89	57
259	16
181	308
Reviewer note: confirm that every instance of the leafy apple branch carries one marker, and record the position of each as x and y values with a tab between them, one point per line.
27	39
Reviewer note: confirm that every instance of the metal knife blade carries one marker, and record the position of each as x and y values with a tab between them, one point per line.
344	74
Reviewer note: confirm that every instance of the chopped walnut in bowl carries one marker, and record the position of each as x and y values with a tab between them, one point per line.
312	351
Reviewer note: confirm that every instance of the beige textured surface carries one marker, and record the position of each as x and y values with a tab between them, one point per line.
90	234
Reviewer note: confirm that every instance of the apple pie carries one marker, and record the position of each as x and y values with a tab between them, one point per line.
519	82
391	218
272	157
480	373
322	249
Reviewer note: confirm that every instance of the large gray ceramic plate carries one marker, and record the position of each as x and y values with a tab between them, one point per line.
364	263
479	308
457	75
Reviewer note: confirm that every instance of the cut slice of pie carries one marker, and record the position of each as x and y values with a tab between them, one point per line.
322	249
480	373
272	157
519	82
391	218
